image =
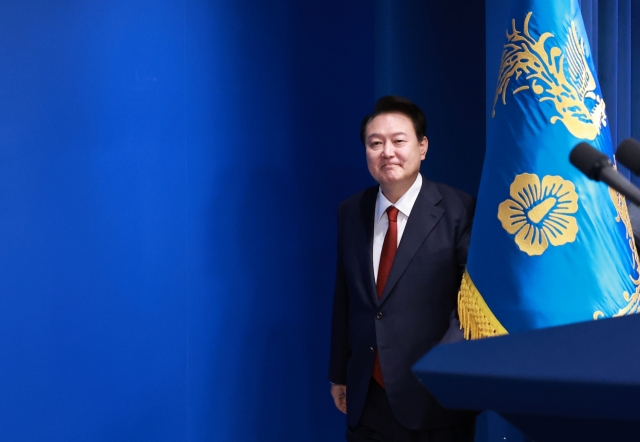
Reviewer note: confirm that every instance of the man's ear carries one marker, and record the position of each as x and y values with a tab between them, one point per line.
424	146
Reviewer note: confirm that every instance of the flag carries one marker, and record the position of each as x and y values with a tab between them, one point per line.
549	246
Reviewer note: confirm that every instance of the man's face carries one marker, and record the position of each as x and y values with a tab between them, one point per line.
393	150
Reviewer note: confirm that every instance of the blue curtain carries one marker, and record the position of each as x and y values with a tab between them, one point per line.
614	33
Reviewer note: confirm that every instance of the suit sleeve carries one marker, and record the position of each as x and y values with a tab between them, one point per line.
455	333
464	233
339	353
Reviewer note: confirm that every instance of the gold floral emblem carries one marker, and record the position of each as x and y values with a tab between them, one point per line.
561	77
539	214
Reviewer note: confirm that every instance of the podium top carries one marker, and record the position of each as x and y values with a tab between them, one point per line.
590	369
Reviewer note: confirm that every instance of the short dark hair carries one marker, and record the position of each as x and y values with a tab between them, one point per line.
396	104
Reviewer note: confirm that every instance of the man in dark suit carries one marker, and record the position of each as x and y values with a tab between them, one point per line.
402	248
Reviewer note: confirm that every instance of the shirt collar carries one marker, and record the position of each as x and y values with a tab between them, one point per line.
404	204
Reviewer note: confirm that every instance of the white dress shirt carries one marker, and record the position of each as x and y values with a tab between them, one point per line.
404	206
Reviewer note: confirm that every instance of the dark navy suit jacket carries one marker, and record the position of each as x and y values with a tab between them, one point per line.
414	312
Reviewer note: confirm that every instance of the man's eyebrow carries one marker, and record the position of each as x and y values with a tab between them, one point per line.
393	134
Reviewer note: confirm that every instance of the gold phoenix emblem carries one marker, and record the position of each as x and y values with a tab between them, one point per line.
560	76
538	213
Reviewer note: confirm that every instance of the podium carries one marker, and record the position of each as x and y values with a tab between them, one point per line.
578	382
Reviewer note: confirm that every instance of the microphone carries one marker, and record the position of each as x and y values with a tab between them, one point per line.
597	166
629	155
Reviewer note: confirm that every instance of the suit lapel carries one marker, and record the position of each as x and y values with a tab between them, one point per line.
364	231
424	217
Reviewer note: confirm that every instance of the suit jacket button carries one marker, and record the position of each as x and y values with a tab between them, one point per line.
371	349
378	315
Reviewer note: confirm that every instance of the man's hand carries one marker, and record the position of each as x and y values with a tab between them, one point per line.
339	393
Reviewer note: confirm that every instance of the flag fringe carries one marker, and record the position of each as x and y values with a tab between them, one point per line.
476	318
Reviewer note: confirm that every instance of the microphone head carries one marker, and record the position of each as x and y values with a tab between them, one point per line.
589	160
629	154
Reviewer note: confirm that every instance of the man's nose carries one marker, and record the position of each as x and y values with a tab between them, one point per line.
387	150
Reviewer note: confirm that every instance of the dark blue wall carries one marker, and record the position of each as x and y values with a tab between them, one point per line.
169	177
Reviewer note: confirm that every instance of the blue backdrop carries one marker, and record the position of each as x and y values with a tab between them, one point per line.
169	176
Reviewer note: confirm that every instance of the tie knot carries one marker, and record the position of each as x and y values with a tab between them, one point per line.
392	213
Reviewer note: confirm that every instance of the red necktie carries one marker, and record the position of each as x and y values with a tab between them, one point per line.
389	247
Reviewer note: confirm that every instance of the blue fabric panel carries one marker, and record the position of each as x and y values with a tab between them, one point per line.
616	51
635	69
608	62
624	69
634	108
590	15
